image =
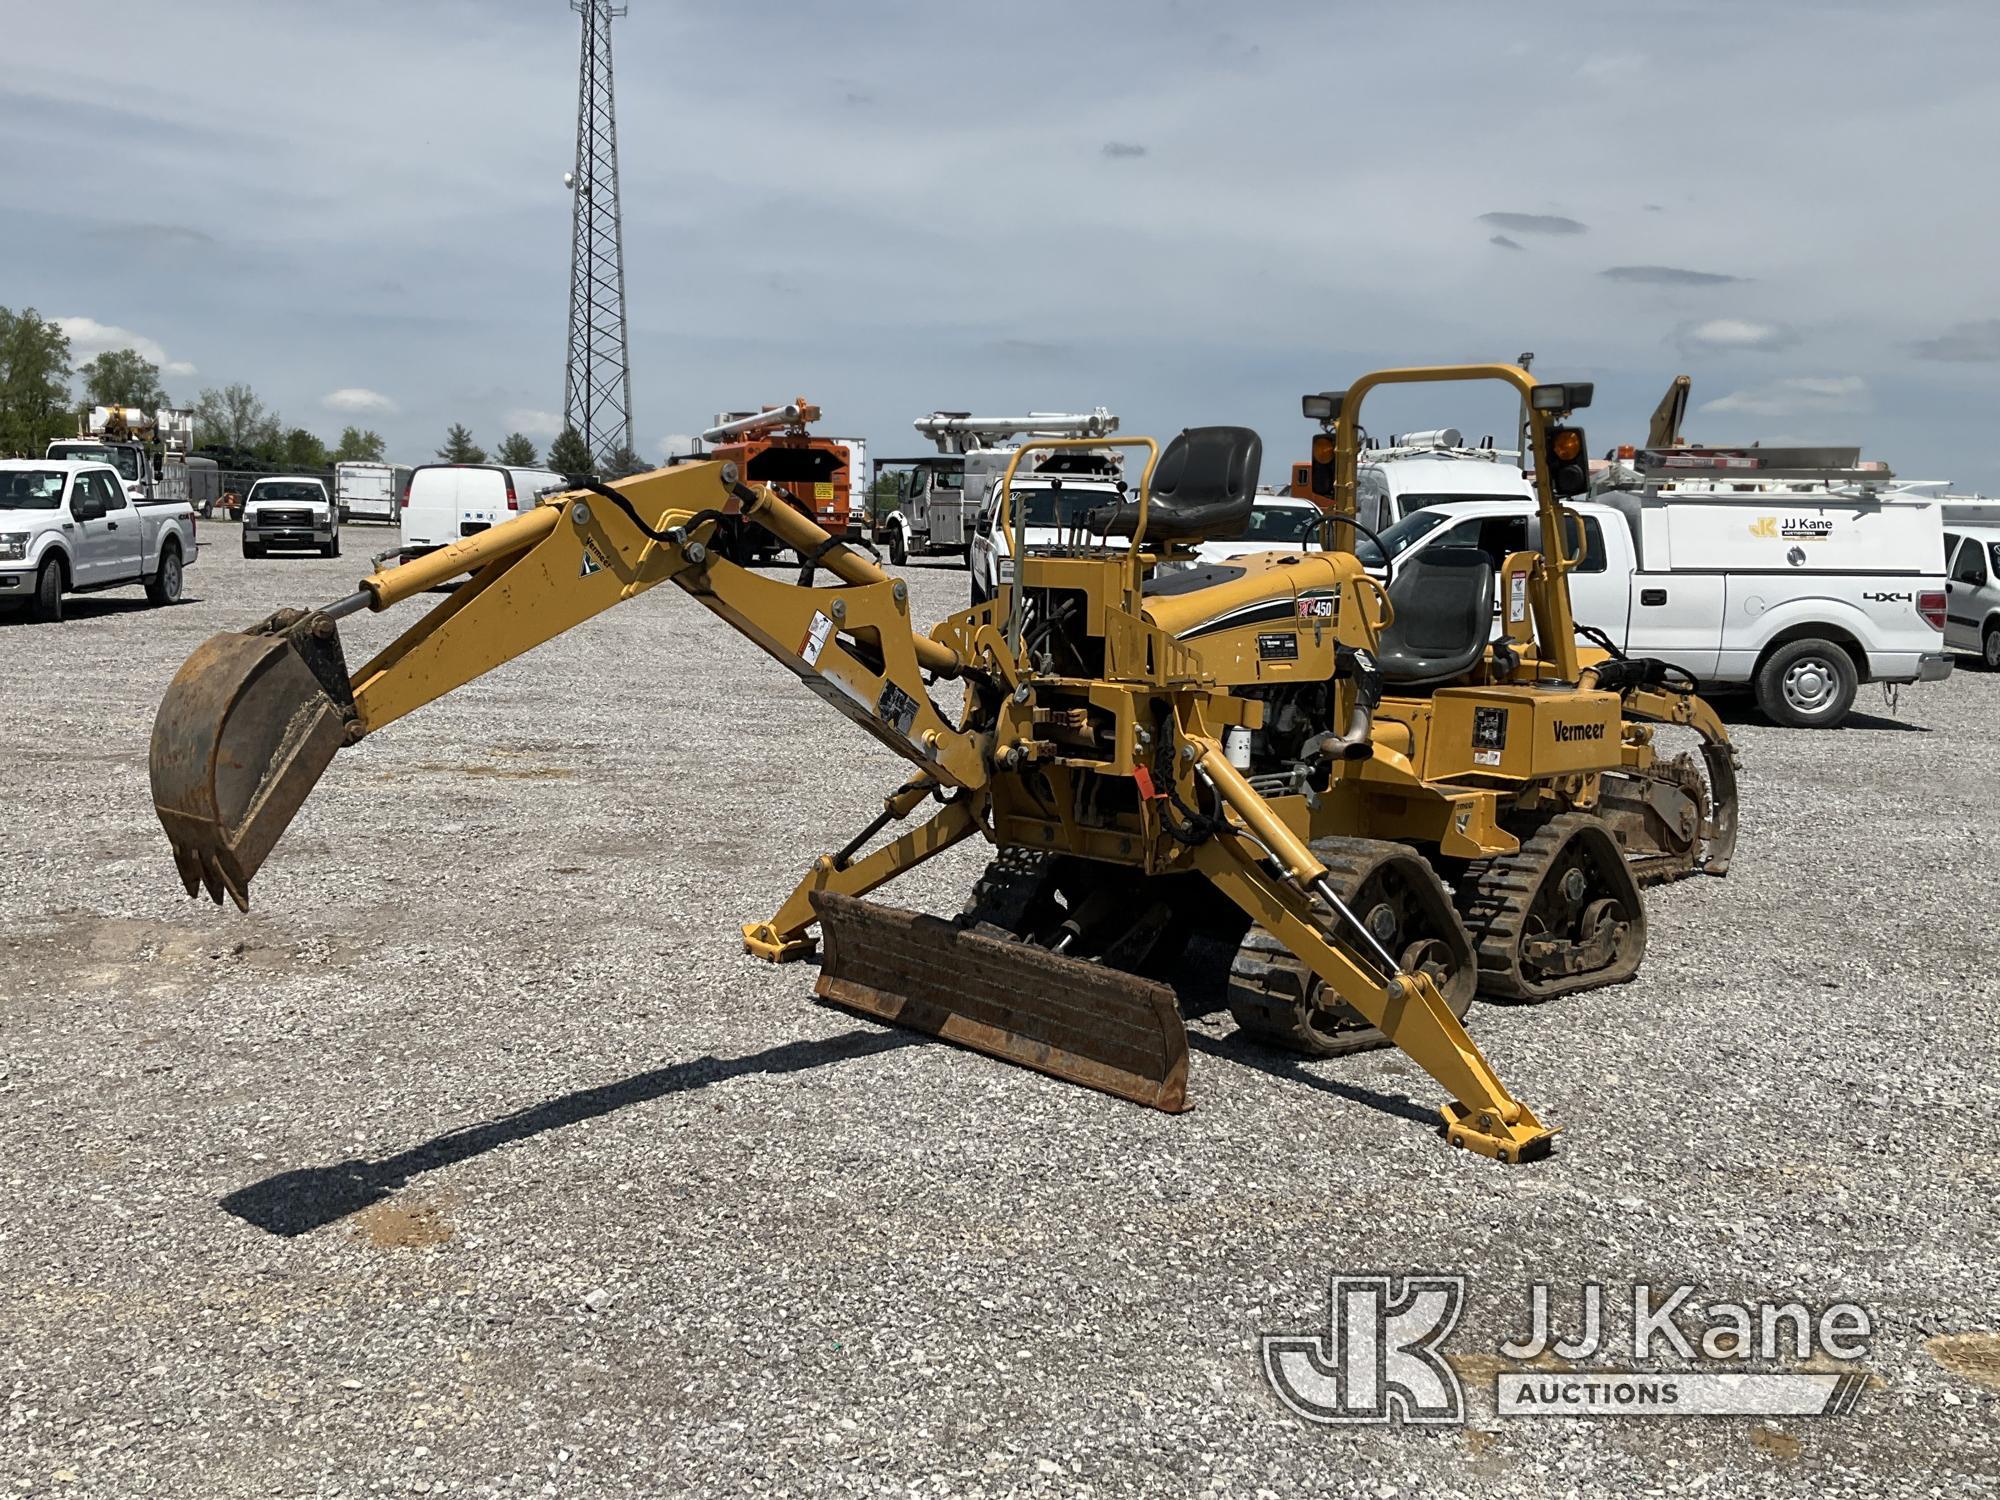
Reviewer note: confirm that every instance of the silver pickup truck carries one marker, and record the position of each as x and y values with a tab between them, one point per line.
68	527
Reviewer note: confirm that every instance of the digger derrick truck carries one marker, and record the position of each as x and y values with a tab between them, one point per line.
775	448
1172	770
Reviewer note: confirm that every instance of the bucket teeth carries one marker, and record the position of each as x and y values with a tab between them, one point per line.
1081	1022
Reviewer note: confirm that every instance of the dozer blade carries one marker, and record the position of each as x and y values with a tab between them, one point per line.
243	734
1077	1021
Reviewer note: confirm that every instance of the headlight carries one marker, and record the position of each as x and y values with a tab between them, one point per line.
13	545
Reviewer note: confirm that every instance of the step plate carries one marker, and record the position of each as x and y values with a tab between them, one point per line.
1077	1021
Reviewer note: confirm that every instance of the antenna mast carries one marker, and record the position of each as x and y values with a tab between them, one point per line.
597	378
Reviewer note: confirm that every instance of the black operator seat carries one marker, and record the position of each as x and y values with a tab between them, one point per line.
1203	485
1443	598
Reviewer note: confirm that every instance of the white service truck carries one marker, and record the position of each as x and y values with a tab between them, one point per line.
1051	506
1799	586
942	499
369	491
149	449
72	527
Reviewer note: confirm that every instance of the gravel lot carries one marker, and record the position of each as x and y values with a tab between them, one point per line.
479	1160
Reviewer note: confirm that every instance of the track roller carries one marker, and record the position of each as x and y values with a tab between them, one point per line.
1391	888
1563	913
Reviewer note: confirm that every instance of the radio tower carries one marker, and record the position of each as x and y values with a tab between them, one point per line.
597	378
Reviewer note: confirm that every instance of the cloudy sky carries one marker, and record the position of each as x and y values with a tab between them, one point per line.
1188	212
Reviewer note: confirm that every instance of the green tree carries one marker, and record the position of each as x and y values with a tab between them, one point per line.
303	451
569	454
459	447
515	448
622	463
359	446
34	383
234	417
885	494
123	377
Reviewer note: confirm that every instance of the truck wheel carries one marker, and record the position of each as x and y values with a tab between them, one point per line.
1989	648
164	587
46	606
1806	684
332	548
899	548
252	549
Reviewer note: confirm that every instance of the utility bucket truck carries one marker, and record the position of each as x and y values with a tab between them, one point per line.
775	446
940	497
148	449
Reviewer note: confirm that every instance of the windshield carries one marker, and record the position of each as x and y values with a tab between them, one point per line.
1401	537
124	460
1280	524
1417	502
1062	508
283	491
31	489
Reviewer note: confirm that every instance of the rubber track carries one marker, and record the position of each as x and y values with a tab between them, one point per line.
1268	983
1495	897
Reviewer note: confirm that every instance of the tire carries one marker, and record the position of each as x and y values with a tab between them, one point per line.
252	549
1807	684
332	548
1989	648
164	587
46	606
899	548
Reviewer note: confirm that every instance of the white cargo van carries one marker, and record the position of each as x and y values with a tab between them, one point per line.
1799	594
447	501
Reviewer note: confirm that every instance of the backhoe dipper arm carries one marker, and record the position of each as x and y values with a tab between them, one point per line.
252	720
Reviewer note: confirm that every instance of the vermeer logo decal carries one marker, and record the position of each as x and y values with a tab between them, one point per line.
1566	732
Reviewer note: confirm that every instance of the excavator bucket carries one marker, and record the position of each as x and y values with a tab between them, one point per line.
247	727
1081	1022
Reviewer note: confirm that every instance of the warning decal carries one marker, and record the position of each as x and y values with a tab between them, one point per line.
816	637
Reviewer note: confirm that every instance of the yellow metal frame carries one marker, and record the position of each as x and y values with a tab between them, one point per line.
1556	623
1048	445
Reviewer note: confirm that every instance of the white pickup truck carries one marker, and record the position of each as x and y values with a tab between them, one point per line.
1799	597
71	528
291	511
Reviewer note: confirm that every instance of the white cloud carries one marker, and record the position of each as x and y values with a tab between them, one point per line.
89	337
357	401
1801	395
676	442
1731	335
536	424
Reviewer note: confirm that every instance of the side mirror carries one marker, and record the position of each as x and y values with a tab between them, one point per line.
87	508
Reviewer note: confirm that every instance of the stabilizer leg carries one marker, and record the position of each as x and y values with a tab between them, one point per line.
1483	1116
785	936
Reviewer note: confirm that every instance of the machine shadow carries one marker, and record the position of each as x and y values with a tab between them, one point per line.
308	1198
1292	1070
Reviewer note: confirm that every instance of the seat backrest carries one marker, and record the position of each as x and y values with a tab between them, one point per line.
1443	598
1203	485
